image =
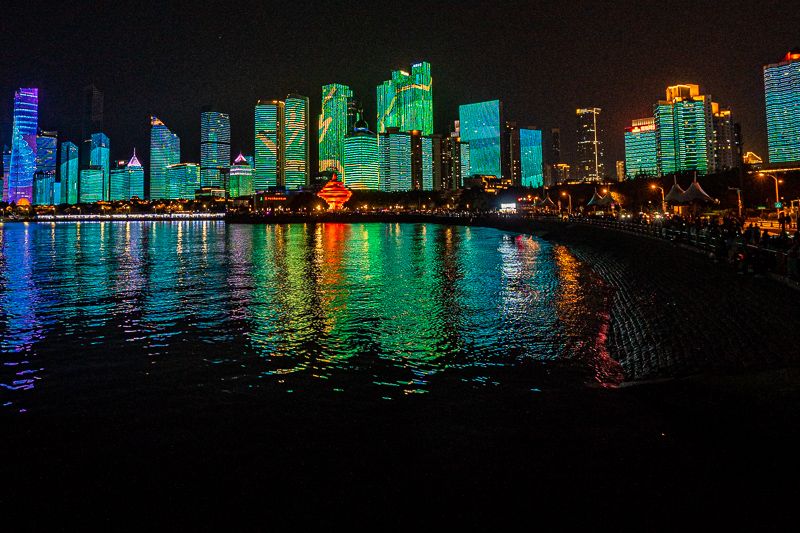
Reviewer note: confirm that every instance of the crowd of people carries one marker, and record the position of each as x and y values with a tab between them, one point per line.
748	248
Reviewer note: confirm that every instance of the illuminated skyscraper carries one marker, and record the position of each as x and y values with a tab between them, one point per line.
333	126
427	163
91	186
127	181
361	157
481	125
590	148
45	189
406	100
215	146
641	149
69	173
684	132
23	146
530	142
101	158
296	135
270	144
241	178
782	92
183	180
165	150
724	139
394	161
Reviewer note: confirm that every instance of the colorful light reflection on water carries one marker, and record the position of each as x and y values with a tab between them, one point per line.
233	306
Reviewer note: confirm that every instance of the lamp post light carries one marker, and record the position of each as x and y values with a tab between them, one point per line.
777	197
663	207
739	194
569	196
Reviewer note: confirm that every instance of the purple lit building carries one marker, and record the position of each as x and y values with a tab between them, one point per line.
23	146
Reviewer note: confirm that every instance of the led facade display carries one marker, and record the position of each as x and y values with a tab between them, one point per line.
100	157
406	100
296	153
394	161
782	92
241	178
270	170
641	149
481	126
69	173
23	146
165	150
215	146
530	143
333	126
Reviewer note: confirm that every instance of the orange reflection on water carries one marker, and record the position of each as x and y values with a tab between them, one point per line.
583	306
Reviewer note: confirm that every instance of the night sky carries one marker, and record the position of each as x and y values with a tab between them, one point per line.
542	59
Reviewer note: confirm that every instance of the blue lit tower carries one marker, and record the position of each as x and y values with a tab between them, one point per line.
241	178
270	144
23	146
69	173
100	158
782	92
406	100
165	150
481	125
641	149
296	136
333	126
361	156
183	180
215	146
530	148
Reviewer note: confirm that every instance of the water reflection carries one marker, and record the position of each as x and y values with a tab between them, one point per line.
238	307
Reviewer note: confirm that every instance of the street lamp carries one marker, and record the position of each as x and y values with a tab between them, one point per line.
663	207
739	194
777	198
568	195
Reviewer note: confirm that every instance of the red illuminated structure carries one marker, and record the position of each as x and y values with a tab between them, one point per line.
335	193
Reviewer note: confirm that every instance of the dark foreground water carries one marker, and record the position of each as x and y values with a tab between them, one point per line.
332	306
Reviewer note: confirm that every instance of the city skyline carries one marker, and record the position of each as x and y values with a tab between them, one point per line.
543	65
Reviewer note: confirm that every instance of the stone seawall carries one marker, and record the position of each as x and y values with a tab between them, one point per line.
676	312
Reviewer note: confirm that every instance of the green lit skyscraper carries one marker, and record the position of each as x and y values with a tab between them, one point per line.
361	157
91	186
128	181
333	126
183	180
241	178
215	146
165	150
782	92
69	173
684	131
406	100
270	144
100	157
641	149
296	136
